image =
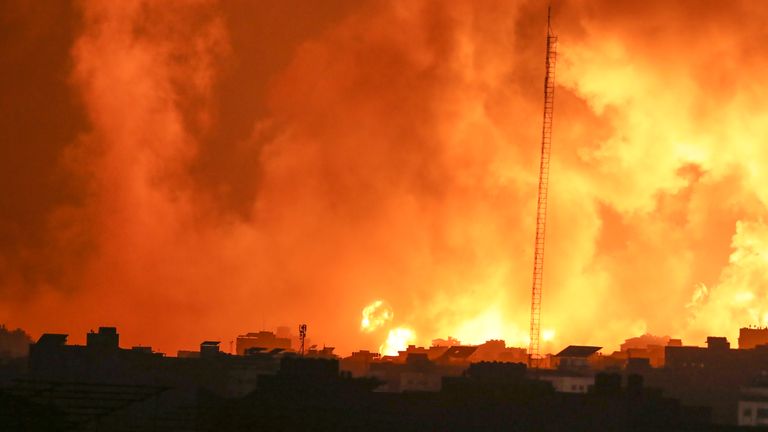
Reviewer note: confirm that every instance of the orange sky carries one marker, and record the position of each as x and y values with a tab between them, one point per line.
198	169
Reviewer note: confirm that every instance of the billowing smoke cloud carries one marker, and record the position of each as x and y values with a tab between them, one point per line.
739	297
219	167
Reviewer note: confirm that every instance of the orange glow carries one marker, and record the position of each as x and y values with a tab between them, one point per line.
398	339
218	169
376	315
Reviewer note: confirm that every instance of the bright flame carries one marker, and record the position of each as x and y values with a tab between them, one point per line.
659	162
547	335
398	339
743	297
488	324
375	316
737	299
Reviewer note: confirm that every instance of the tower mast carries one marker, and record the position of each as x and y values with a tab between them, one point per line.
541	208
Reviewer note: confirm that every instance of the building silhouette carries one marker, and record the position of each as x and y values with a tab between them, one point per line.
750	337
101	386
262	341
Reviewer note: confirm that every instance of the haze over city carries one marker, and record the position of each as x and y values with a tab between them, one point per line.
191	171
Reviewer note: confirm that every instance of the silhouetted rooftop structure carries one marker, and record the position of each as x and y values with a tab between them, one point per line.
642	342
718	343
575	358
424	389
445	342
106	338
359	362
52	360
209	348
750	337
324	352
263	339
456	354
52	339
578	351
497	350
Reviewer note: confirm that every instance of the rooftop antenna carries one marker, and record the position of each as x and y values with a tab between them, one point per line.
541	207
302	337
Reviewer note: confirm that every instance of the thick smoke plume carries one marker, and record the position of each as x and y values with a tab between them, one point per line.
197	169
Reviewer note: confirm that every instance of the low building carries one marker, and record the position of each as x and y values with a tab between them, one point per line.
326	352
565	382
359	363
418	371
264	340
711	376
576	358
496	350
51	359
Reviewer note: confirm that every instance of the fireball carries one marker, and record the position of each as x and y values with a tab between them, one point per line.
376	315
398	339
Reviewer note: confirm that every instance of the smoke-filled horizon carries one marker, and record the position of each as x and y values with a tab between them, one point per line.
191	170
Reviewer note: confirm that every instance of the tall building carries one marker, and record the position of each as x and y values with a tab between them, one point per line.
750	337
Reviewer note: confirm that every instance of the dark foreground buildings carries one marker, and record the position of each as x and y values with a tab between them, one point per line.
719	377
102	387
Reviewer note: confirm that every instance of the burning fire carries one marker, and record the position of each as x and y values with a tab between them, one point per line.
376	315
398	339
389	147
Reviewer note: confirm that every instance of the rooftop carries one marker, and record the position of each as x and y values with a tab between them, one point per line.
578	351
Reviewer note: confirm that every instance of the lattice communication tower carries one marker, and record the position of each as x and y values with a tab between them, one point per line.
541	207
